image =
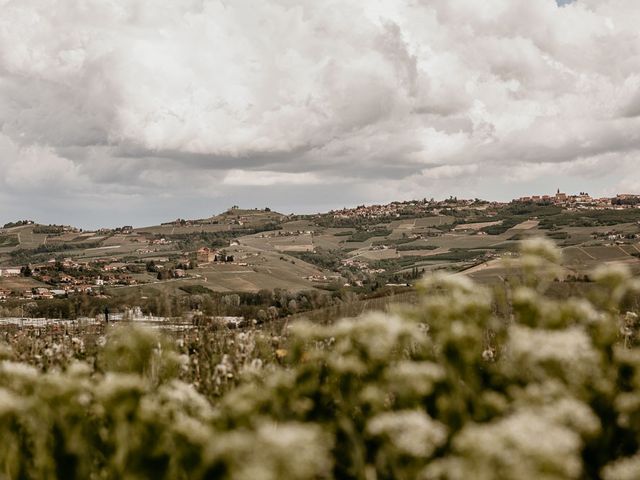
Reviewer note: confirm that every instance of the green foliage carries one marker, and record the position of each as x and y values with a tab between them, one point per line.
454	255
500	228
217	239
445	389
513	214
391	264
323	258
9	240
346	233
364	235
196	289
591	218
458	255
558	235
139	352
411	247
22	255
19	223
49	229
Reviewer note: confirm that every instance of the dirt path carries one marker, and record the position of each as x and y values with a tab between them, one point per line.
483	266
587	253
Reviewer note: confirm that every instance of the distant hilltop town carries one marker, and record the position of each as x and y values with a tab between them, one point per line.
583	199
437	207
250	250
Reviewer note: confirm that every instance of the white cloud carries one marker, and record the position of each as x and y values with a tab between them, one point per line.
145	97
266	178
36	168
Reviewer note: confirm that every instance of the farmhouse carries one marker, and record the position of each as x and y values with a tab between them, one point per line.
10	272
42	293
221	257
627	196
115	267
205	255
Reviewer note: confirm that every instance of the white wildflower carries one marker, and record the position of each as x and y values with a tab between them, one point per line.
185	397
411	432
612	275
9	402
568	351
18	370
623	469
375	335
293	451
541	248
116	384
523	445
414	377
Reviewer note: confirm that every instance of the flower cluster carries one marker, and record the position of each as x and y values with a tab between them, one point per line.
454	387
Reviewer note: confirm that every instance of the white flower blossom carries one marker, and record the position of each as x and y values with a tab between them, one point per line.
411	432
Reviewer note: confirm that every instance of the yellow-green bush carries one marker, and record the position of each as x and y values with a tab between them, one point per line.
447	389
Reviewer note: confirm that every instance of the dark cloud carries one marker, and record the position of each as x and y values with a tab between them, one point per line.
141	107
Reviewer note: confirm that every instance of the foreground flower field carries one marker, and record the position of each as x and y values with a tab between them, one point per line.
509	383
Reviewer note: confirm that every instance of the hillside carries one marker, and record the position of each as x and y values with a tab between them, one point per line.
363	251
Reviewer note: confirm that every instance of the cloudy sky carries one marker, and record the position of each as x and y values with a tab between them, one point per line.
138	111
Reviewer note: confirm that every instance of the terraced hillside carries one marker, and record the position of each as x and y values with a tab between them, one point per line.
269	250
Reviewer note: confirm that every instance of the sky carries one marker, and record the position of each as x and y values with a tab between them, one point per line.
133	112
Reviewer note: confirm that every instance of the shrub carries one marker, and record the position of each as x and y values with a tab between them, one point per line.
446	389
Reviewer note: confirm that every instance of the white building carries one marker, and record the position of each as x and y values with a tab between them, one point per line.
10	272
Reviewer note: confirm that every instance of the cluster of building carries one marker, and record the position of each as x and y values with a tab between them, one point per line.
582	199
233	216
39	293
210	255
393	209
360	265
408	208
285	233
68	277
422	207
10	272
615	236
71	276
364	211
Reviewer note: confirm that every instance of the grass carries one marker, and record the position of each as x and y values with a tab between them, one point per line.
364	235
591	218
412	247
9	241
470	371
458	255
195	289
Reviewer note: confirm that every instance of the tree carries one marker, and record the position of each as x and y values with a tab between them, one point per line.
292	306
262	316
